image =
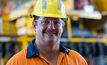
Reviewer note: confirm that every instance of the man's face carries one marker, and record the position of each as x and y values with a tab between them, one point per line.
48	29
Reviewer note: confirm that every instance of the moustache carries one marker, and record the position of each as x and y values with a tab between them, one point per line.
51	31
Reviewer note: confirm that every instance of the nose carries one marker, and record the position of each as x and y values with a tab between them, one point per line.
51	26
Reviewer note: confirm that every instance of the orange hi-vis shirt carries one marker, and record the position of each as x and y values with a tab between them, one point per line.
31	56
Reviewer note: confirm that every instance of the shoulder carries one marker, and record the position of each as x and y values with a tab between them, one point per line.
75	56
18	58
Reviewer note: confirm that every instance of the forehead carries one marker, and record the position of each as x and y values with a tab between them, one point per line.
49	18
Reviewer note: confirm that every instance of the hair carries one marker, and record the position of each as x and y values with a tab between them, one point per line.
35	18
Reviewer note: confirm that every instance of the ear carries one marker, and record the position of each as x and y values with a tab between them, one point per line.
34	26
63	26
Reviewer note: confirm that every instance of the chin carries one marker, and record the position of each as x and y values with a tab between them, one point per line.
50	40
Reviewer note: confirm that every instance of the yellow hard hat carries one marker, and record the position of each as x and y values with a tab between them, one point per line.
49	8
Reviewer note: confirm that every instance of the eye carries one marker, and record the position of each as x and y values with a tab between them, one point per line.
56	22
45	22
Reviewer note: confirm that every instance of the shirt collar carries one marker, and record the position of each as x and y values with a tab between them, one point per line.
32	50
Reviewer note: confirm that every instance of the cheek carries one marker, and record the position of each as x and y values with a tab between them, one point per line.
40	29
43	29
61	27
60	30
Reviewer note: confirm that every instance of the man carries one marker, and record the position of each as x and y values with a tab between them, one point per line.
48	24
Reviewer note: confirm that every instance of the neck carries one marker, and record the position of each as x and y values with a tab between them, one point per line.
49	51
47	48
